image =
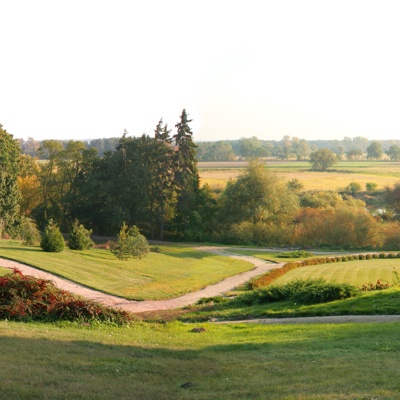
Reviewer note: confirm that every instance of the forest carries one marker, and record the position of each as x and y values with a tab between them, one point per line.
153	182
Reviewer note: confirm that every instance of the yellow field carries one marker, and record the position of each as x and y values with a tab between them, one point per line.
382	173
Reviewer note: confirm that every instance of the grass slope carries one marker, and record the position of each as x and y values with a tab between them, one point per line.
153	361
173	272
353	272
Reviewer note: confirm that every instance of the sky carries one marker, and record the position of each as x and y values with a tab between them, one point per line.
313	69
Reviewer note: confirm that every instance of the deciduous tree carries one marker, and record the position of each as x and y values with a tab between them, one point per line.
322	159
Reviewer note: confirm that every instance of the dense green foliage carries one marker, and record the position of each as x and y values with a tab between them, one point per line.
322	159
130	243
9	191
79	237
29	232
52	239
309	291
153	182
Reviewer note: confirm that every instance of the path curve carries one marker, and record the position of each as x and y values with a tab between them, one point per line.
260	267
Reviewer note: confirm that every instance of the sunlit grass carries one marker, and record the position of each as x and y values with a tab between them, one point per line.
353	272
152	361
174	271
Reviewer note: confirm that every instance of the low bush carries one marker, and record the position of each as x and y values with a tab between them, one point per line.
23	297
295	254
212	300
379	285
309	291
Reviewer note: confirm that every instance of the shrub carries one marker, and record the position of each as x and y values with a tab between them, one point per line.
23	297
79	237
130	244
309	291
379	285
212	300
29	232
371	187
295	254
52	240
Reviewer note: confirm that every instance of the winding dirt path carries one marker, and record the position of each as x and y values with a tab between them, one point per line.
260	267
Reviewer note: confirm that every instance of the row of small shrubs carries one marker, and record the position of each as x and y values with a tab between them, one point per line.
23	297
309	291
78	239
271	276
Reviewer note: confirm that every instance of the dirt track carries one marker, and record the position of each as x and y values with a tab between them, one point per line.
260	267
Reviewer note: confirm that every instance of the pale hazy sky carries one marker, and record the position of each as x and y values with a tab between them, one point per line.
82	69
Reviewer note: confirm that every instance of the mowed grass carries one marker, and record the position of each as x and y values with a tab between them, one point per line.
342	174
175	271
4	271
353	272
243	361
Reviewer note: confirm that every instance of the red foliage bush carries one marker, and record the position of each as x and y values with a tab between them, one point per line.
23	297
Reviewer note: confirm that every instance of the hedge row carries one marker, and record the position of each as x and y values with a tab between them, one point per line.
271	276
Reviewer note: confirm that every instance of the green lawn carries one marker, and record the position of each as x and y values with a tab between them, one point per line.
153	361
353	272
4	271
173	272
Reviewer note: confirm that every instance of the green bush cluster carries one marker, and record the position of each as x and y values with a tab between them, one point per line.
52	240
130	243
295	254
79	237
309	291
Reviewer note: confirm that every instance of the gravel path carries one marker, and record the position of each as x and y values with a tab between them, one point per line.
260	267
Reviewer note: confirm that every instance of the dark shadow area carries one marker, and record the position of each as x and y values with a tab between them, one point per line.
261	363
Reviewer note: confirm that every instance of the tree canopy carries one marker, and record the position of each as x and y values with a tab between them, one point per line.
322	159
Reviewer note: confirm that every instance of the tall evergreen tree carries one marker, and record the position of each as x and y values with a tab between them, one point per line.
163	177
9	192
186	174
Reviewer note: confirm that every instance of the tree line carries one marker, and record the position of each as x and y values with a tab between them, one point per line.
152	182
228	150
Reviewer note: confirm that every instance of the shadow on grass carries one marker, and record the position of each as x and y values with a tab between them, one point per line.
26	249
196	254
294	361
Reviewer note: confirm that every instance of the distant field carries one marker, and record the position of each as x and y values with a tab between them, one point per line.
384	173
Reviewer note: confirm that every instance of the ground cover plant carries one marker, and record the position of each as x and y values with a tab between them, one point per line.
172	272
23	297
169	361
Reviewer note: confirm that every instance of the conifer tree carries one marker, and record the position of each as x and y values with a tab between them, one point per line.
186	174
